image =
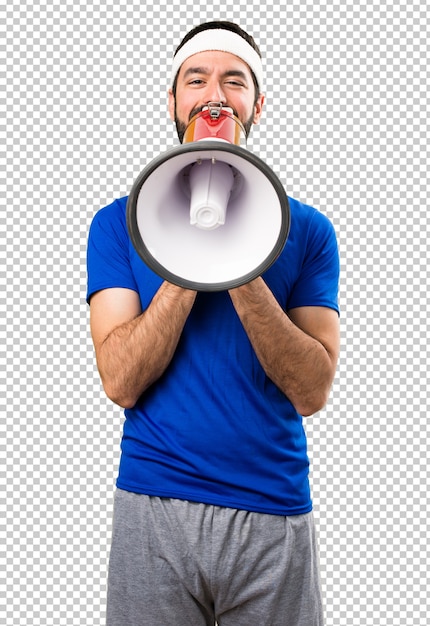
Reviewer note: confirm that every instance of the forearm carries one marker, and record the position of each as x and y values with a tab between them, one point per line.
136	353
296	362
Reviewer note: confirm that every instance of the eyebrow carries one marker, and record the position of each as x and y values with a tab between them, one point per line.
205	71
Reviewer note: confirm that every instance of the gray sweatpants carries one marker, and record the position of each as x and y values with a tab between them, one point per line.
179	563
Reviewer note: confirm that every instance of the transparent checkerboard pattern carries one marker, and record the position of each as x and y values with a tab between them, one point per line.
83	111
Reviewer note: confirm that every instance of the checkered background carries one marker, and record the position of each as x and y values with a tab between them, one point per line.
83	105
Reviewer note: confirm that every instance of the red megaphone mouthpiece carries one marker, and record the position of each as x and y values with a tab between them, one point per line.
215	122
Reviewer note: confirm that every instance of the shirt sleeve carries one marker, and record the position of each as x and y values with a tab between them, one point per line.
108	250
318	281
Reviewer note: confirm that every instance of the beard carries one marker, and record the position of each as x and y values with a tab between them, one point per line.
181	127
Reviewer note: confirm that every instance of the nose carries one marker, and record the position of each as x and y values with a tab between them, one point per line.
214	92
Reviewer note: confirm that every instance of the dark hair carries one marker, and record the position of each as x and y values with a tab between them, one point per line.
234	28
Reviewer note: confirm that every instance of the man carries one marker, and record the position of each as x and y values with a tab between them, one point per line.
213	516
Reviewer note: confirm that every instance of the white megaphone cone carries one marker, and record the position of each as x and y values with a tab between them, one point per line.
208	215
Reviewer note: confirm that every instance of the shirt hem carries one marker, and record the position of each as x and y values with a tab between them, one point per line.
217	501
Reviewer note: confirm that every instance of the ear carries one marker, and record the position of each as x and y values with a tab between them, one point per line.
171	105
258	108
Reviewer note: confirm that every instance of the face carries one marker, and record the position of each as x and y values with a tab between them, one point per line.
214	76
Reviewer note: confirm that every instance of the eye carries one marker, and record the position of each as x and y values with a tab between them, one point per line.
196	81
235	83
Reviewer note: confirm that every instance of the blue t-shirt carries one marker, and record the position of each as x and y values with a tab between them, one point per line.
214	428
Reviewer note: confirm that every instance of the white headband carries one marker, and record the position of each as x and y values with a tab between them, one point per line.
225	41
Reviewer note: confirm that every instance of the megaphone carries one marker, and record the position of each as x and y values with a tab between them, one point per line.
208	215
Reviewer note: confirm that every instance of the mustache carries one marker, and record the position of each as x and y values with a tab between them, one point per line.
200	109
